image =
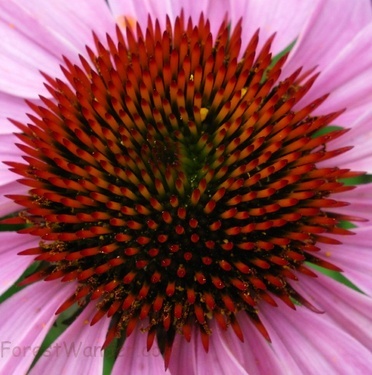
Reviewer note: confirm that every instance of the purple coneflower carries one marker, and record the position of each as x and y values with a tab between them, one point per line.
181	177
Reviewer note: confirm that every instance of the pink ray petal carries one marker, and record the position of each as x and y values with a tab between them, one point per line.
316	345
286	18
353	257
348	77
15	108
78	350
135	359
129	10
255	354
26	318
25	21
8	149
139	11
359	157
8	152
20	74
350	115
190	357
325	34
7	206
64	26
214	10
348	308
360	204
13	265
69	23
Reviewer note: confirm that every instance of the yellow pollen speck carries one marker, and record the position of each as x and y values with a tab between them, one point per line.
328	254
86	321
126	21
191	78
243	91
203	113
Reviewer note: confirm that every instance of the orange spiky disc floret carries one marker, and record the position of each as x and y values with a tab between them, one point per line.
172	178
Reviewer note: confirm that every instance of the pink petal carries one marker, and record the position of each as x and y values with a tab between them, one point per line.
135	359
69	23
190	358
64	27
7	176
8	149
19	71
15	265
8	152
348	77
255	354
78	350
360	137
362	162
327	30
139	11
353	257
213	10
350	115
358	134
11	107
360	200
183	359
7	206
25	21
349	309
315	345
284	17
26	318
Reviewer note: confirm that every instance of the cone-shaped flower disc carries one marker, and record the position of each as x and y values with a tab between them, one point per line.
177	178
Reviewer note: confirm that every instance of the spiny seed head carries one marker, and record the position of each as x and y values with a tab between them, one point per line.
175	178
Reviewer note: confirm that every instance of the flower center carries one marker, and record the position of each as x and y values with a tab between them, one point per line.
175	178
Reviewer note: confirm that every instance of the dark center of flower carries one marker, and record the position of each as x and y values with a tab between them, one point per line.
175	178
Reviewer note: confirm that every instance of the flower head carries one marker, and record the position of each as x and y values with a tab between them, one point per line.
181	179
